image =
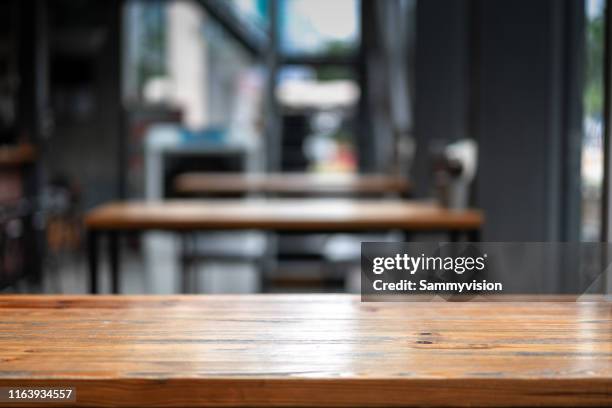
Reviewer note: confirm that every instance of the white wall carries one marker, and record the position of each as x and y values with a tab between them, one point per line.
186	56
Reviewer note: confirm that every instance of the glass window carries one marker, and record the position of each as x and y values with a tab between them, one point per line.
319	26
592	144
252	11
145	45
319	107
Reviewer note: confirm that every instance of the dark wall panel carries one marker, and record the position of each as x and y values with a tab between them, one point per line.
441	86
520	100
505	72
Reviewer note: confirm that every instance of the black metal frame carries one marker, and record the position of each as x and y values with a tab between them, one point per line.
268	49
253	40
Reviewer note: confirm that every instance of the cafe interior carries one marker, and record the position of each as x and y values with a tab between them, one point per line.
251	146
197	195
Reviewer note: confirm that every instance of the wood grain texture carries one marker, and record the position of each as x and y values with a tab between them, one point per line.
289	183
308	350
282	214
17	155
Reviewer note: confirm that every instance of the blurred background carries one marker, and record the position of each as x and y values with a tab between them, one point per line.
108	100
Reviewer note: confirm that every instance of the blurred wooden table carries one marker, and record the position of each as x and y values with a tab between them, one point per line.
307	350
295	215
197	184
17	155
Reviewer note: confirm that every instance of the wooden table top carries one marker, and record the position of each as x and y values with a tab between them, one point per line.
17	155
282	214
307	350
289	183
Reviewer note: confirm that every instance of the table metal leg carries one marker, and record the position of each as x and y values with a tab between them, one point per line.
186	253
92	258
264	283
474	235
113	247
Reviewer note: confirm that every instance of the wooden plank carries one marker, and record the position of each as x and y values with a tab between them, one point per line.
289	184
17	155
307	350
282	214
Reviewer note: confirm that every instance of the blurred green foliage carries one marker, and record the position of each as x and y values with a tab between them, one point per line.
593	87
